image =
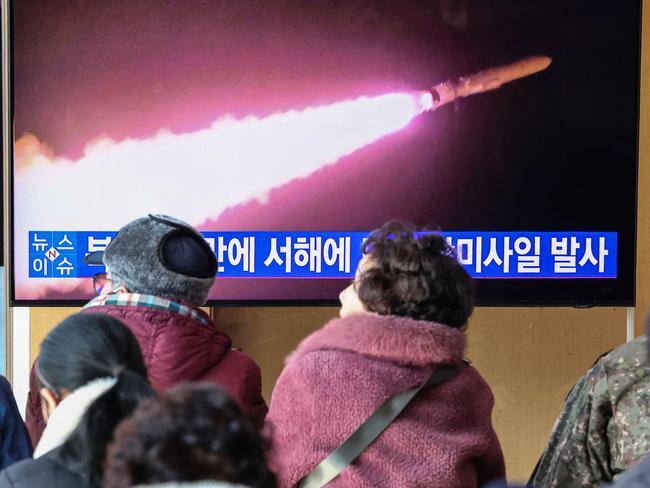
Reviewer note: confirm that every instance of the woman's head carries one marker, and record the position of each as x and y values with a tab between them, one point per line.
412	276
81	350
191	432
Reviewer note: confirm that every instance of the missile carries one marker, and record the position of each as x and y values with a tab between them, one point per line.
481	82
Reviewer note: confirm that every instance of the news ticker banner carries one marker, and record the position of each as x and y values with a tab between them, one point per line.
336	254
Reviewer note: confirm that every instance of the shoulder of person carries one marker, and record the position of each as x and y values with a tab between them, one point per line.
4	384
237	356
44	471
627	365
6	395
628	356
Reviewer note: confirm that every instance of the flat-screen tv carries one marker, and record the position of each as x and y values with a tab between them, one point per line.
286	130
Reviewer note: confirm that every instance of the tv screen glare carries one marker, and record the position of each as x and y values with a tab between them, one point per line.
286	130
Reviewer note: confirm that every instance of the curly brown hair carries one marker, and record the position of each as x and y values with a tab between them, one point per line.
415	276
192	432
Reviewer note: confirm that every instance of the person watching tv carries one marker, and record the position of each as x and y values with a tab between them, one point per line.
159	271
604	427
14	441
91	376
402	322
191	436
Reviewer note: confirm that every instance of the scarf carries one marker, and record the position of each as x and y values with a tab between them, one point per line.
68	414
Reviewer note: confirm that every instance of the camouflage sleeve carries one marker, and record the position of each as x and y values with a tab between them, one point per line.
605	425
577	454
628	431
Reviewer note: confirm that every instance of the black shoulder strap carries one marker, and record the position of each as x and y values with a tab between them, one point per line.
366	433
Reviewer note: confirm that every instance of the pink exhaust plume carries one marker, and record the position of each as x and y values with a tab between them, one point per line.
425	101
194	176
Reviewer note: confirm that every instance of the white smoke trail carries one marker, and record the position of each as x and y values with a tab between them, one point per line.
194	176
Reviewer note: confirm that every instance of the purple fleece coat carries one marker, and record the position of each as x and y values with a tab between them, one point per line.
340	375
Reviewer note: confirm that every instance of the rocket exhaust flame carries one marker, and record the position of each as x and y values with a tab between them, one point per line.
196	176
208	170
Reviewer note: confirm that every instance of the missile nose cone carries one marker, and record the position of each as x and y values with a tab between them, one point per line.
535	64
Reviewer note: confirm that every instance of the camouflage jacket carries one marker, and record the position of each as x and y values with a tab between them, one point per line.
604	427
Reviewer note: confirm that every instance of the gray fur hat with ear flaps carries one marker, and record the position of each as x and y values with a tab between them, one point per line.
162	256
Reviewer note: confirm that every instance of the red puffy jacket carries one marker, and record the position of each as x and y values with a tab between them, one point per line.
176	347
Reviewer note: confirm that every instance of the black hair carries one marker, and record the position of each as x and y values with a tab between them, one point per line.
191	432
414	276
86	347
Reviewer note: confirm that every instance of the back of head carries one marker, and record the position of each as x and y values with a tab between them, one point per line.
414	276
192	432
162	256
83	349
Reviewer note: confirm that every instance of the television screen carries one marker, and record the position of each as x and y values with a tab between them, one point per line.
286	130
